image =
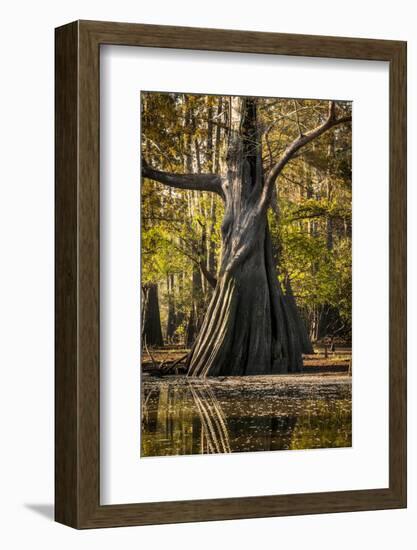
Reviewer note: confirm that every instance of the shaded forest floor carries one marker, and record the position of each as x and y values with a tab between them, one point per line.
171	359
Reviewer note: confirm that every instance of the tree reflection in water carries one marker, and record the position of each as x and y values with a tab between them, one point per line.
183	417
214	434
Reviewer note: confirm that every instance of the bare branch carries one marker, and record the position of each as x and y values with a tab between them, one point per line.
297	118
299	142
195	182
162	153
211	279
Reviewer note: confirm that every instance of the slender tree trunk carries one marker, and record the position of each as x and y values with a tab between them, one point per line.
196	312
215	163
329	189
172	317
180	316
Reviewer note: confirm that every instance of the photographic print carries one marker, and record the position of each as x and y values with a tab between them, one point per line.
246	274
203	274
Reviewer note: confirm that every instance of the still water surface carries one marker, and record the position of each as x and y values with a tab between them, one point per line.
183	417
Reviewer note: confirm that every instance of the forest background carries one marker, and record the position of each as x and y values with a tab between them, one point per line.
310	218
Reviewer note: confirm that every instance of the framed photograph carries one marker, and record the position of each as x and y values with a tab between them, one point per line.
230	274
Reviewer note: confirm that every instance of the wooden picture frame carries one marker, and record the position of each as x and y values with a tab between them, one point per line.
77	405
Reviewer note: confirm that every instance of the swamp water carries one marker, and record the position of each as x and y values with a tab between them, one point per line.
182	416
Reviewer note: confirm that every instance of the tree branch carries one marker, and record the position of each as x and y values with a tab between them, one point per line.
211	279
299	142
297	118
196	182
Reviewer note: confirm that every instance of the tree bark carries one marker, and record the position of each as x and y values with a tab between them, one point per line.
294	312
151	325
247	329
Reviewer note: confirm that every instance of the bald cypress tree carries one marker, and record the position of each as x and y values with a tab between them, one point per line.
247	329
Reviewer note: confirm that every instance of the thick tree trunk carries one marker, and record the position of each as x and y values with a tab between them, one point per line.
247	329
151	322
